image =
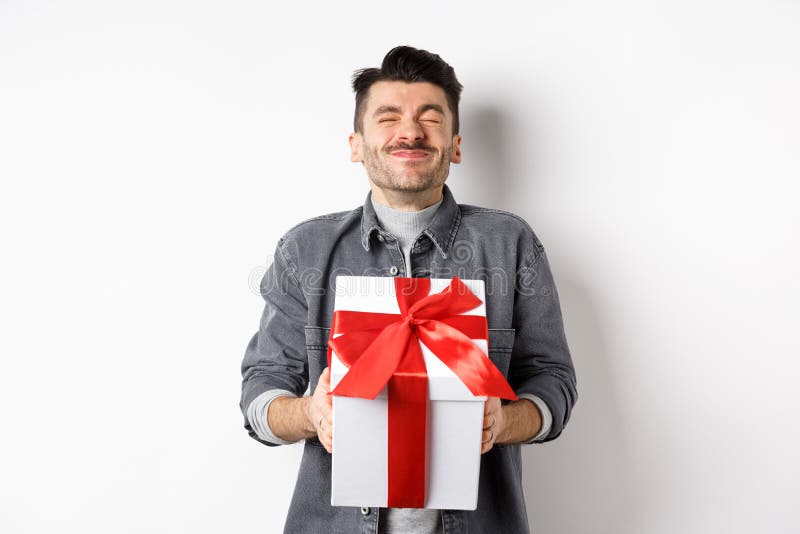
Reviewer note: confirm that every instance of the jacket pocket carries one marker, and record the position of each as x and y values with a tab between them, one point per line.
501	344
317	349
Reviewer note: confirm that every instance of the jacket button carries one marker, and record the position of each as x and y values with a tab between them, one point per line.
364	510
393	270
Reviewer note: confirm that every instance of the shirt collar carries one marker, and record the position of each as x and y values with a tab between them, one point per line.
441	230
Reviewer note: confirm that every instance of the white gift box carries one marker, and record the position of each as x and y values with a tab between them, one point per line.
360	426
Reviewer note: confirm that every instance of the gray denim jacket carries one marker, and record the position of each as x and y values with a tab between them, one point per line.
526	340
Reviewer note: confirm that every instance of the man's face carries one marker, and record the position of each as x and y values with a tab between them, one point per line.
407	141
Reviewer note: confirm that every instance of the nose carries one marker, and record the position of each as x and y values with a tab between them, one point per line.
410	131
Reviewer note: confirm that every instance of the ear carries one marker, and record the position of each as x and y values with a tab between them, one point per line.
356	153
455	157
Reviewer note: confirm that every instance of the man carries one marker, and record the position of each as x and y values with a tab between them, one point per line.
406	135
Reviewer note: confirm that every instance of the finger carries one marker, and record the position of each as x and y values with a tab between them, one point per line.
321	411
322	406
325	378
487	441
492	404
324	437
325	408
325	430
488	421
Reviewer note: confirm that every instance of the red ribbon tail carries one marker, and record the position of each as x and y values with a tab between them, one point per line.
465	359
408	413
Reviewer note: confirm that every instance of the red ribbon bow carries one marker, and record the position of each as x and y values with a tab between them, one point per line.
381	348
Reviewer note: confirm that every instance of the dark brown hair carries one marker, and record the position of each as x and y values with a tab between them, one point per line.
407	64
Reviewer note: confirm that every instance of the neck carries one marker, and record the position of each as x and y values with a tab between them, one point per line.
406	201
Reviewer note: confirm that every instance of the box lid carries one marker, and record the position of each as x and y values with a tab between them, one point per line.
377	295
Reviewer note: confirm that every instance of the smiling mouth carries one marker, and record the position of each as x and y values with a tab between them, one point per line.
410	154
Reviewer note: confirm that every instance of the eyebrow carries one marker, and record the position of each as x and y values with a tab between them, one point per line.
386	109
394	109
435	107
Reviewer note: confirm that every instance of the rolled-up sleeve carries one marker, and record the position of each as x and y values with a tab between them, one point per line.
544	413
541	364
276	358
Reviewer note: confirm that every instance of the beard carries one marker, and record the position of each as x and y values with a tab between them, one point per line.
414	176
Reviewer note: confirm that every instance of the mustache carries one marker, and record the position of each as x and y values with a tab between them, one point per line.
409	146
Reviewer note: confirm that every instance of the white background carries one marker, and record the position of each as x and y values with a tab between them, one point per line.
152	153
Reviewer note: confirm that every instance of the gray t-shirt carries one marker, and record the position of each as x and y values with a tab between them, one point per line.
405	226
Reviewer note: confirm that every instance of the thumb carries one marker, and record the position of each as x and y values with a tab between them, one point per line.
325	377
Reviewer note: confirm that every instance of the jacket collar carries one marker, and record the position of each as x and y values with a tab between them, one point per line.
442	229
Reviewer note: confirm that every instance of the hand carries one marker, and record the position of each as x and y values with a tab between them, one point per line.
493	423
320	410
